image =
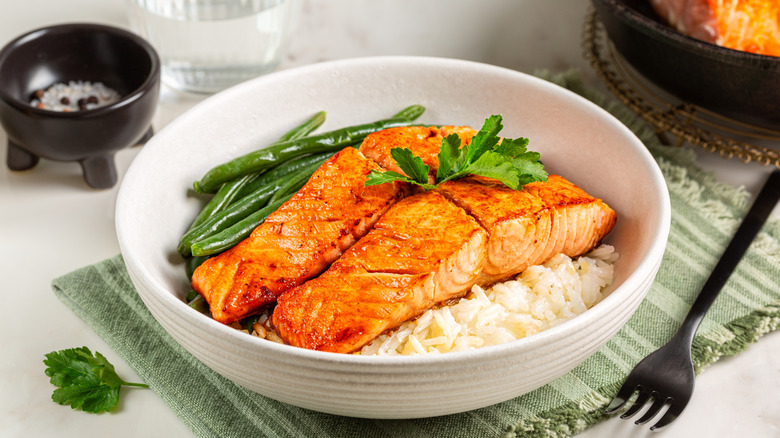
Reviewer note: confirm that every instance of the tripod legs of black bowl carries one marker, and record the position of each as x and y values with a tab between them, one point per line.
99	170
18	158
147	136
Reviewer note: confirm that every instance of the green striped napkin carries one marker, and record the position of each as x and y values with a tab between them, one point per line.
704	215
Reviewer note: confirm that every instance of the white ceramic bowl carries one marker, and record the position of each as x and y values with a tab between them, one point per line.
576	138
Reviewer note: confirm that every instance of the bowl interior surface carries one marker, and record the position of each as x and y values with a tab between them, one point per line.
576	139
75	52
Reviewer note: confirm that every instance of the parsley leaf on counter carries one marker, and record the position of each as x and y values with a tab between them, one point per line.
506	160
87	382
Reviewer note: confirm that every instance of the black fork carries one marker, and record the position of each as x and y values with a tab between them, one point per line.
666	375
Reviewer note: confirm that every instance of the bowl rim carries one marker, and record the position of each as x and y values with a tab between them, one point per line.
646	268
150	82
667	34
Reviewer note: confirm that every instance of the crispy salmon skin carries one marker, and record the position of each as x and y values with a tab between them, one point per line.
423	251
298	241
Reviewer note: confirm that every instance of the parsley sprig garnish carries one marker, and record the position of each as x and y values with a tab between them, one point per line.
86	381
506	160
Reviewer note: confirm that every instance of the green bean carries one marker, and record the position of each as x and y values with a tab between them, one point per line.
226	218
410	113
305	128
238	232
295	183
234	191
192	264
231	190
248	323
226	194
247	205
265	158
191	295
293	166
199	304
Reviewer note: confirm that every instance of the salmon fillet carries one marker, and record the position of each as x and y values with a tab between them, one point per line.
298	241
557	213
385	279
748	25
420	253
528	227
424	141
423	251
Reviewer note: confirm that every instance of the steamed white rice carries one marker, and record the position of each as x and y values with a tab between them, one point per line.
541	297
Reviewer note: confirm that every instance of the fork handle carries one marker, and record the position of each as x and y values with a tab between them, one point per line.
754	220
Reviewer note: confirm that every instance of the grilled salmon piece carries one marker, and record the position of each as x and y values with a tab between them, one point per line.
748	25
423	251
298	241
426	250
424	141
528	227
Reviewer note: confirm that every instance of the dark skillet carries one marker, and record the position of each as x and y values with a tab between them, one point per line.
736	84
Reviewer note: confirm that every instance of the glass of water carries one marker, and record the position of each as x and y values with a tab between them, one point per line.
209	45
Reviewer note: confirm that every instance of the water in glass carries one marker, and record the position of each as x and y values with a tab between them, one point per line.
209	45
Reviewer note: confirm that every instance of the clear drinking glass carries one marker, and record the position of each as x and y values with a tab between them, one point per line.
209	45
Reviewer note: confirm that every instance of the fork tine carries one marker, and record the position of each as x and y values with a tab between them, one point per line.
638	403
675	409
654	408
623	395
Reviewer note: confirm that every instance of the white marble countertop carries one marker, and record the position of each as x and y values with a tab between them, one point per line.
51	223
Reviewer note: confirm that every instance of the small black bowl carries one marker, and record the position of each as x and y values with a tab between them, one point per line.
39	59
740	85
